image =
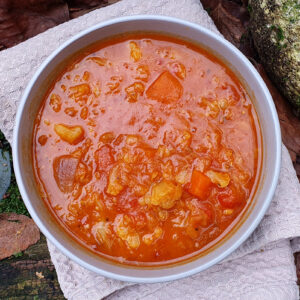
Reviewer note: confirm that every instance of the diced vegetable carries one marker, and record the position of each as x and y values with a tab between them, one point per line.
229	197
181	218
201	219
70	111
200	185
178	138
132	140
139	190
134	91
84	113
133	240
100	61
107	137
42	140
126	232
201	164
185	139
83	173
163	214
86	76
179	70
150	238
71	134
69	170
228	212
166	88
164	151
143	73
114	84
80	91
128	156
104	157
55	102
103	234
184	176
165	194
212	107
221	179
64	169
135	51
114	182
96	89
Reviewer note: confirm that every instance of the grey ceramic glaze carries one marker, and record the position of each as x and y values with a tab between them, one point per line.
30	103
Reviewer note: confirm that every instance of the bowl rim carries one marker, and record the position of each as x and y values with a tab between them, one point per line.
151	279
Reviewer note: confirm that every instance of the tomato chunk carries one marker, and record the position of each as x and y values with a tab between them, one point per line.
64	169
200	185
166	88
229	197
104	158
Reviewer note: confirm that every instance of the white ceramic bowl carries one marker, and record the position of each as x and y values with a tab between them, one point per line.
30	103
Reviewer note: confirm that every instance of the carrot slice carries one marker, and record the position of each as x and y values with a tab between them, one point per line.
200	185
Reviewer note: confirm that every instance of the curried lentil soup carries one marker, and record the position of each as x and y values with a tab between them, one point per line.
147	149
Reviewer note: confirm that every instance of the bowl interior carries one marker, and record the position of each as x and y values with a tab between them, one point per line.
29	107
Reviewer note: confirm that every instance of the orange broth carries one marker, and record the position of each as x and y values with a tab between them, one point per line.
147	149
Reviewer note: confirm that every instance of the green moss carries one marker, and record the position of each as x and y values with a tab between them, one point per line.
18	254
4	144
208	10
12	200
275	29
249	7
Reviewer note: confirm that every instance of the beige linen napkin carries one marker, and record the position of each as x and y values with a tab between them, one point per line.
261	268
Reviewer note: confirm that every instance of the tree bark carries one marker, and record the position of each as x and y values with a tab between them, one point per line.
29	276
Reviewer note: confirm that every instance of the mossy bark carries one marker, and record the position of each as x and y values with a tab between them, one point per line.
30	275
275	27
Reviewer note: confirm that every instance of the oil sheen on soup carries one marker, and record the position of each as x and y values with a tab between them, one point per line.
147	149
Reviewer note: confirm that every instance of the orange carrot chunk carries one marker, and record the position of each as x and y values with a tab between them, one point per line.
200	185
166	88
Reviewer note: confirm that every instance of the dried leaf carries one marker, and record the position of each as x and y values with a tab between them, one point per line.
289	123
17	233
232	19
20	20
78	8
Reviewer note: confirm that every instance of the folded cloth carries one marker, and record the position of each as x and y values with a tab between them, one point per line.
261	268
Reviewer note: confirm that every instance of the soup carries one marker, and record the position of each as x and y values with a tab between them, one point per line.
147	149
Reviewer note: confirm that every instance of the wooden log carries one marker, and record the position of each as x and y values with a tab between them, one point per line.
30	275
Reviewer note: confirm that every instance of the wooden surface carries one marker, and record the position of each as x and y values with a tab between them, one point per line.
30	276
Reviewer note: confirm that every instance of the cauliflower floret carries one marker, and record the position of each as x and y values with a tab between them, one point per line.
221	179
103	234
165	194
114	183
125	232
184	176
149	238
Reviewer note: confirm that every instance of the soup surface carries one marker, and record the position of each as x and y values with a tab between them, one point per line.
147	149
